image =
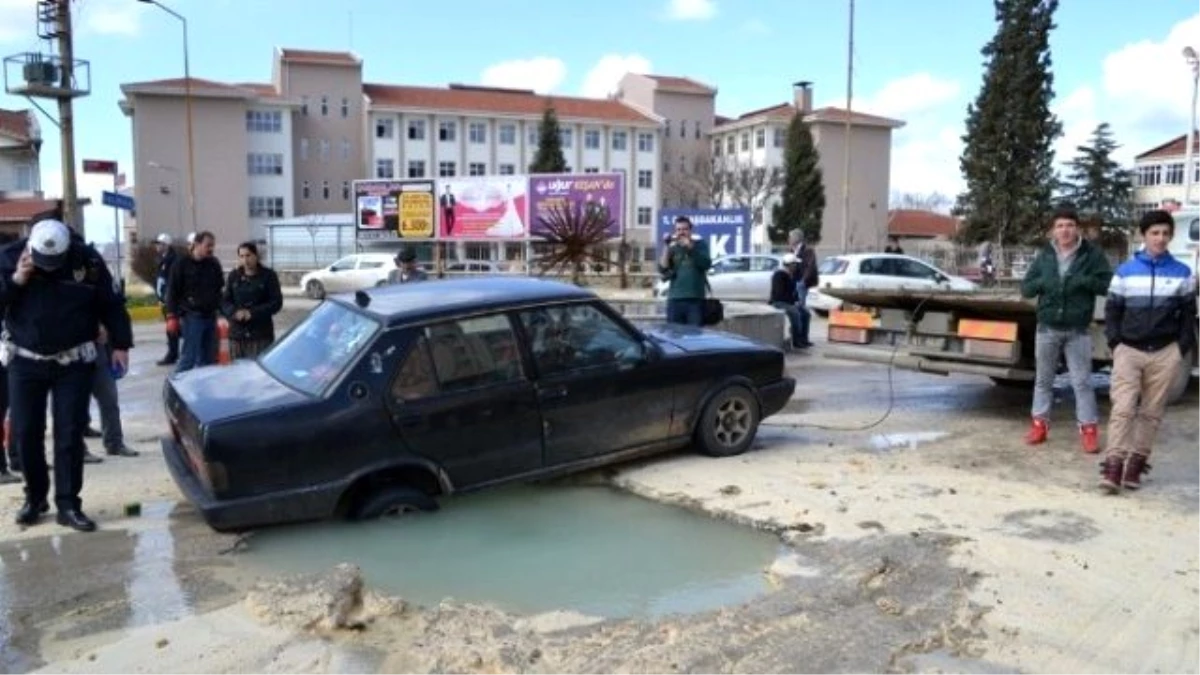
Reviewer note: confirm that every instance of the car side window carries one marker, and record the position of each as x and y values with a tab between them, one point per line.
370	265
871	266
740	264
475	352
915	270
415	379
344	264
574	337
764	265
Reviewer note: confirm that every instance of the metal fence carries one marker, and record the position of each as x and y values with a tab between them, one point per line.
303	247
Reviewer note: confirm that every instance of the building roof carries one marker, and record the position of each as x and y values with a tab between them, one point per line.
23	209
179	85
18	125
784	112
319	58
262	89
681	85
920	223
522	102
1176	147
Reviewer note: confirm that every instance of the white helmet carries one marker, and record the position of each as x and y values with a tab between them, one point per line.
191	238
164	238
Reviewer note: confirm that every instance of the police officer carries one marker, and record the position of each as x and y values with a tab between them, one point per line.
166	251
56	293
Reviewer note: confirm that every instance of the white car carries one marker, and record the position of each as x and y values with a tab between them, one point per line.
738	277
352	273
879	271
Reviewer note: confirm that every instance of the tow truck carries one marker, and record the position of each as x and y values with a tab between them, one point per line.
986	332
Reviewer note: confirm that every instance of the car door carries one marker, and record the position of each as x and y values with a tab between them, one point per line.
340	275
916	275
462	399
758	279
597	391
370	272
729	281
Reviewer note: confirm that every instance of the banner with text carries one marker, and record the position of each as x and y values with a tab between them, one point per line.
604	192
483	207
394	209
727	231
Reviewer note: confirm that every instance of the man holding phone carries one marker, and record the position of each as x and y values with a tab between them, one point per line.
684	265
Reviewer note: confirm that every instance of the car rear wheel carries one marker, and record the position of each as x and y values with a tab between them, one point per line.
390	501
728	423
315	290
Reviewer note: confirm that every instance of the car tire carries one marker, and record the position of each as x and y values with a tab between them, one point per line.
728	423
315	290
392	500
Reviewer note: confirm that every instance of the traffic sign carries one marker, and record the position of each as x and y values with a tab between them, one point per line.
99	166
117	200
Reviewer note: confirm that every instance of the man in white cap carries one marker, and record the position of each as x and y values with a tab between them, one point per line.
56	293
166	260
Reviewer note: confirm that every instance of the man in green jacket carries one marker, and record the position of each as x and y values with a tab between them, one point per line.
684	264
1065	277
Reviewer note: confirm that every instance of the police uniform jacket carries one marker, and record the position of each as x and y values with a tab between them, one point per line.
164	274
259	293
56	311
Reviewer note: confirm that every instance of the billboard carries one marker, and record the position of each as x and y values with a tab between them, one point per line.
727	231
394	209
591	190
483	207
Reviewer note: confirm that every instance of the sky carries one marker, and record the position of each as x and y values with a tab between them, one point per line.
1114	61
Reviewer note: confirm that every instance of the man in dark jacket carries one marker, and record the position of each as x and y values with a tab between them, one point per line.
56	293
193	301
166	260
684	264
407	271
784	297
1066	276
806	276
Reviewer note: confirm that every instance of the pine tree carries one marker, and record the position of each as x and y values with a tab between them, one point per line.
1008	158
549	157
803	196
1099	187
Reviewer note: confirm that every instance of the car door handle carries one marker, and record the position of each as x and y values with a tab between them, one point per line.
552	393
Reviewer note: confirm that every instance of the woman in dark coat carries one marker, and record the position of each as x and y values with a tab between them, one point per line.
251	299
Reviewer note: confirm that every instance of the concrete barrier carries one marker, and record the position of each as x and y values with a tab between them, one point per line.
757	321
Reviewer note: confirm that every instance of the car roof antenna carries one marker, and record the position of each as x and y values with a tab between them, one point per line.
362	299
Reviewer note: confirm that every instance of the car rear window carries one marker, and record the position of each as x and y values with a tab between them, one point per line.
314	353
833	266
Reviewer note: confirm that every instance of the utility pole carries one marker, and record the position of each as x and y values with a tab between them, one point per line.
66	118
846	131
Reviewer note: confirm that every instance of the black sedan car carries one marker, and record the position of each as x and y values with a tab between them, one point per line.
379	402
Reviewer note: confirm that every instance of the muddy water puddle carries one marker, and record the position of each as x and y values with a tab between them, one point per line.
530	549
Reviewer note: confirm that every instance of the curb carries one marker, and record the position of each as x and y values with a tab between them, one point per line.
145	314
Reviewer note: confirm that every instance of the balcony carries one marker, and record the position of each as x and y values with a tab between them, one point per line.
41	76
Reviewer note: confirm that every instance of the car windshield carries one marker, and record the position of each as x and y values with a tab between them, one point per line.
314	353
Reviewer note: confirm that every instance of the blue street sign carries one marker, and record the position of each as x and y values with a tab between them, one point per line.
117	200
727	231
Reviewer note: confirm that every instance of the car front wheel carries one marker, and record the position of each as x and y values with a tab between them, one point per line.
315	290
728	423
392	500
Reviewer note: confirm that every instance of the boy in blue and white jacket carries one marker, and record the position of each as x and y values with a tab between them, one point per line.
1150	323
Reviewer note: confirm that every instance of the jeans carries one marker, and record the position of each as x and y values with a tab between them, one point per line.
795	317
104	390
688	311
68	387
8	456
199	346
1076	347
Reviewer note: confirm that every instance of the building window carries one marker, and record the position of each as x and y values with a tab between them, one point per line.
620	140
667	129
325	189
385	168
304	106
416	168
25	182
683	128
508	134
760	138
780	136
264	121
698	131
645	142
645	179
345	189
266	207
446	169
533	135
716	147
1174	174
1149	175
305	190
477	133
416	130
508	169
264	164
591	139
729	144
345	107
385	127
477	169
591	169
448	132
644	214
745	141
324	149
303	148
566	137
345	149
324	106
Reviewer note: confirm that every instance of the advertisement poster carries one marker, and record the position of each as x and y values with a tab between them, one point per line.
602	191
482	207
394	209
726	230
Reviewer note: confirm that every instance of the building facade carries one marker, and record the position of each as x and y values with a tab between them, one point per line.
21	196
748	164
1159	175
294	146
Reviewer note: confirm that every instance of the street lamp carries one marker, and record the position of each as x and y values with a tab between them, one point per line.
1193	61
178	202
187	102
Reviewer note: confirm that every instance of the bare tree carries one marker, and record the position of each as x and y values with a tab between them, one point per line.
917	201
312	225
689	189
746	186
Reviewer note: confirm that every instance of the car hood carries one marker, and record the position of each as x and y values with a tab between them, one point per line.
692	339
220	392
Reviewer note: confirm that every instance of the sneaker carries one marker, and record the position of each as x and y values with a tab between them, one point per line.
1111	470
1135	466
1089	438
1039	430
